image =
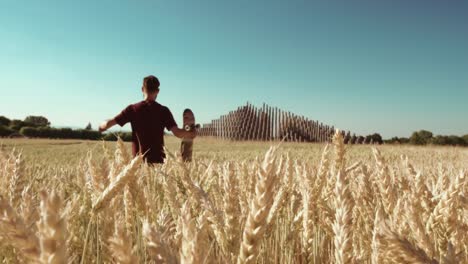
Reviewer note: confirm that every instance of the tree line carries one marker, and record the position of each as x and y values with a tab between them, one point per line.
424	137
39	127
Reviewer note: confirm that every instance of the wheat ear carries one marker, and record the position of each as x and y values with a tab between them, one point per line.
400	250
17	181
118	184
343	221
52	229
16	233
259	209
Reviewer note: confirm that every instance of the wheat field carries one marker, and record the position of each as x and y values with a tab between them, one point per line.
237	202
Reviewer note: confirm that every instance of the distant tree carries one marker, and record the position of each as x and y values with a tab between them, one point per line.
376	138
404	140
456	141
360	140
4	121
367	139
448	140
465	137
421	137
89	127
16	124
5	131
38	121
393	140
347	138
416	139
440	140
373	139
425	134
397	140
29	132
353	139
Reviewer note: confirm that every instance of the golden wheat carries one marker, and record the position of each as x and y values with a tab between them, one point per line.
236	202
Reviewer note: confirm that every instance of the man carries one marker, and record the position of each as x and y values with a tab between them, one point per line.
148	119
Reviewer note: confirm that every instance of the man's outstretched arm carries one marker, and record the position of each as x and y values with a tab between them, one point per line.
107	124
180	133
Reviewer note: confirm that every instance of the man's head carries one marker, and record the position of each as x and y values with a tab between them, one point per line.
150	85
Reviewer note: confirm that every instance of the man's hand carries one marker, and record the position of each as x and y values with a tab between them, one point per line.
192	134
181	133
106	125
103	127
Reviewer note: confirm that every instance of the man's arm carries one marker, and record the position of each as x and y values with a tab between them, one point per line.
107	124
180	133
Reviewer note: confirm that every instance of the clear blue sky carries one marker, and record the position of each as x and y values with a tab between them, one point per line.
386	66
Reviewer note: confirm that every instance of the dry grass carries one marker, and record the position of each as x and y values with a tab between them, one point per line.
87	202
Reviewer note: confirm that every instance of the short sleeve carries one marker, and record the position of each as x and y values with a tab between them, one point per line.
125	116
168	120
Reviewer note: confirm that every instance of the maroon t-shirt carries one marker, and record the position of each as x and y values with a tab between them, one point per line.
148	120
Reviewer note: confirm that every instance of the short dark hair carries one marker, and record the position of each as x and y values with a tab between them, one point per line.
151	84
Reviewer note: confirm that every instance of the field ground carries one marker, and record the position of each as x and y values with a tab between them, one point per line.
70	151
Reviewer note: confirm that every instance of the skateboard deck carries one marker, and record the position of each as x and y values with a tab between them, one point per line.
186	147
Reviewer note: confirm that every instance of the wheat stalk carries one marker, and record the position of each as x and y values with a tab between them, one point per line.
120	245
156	245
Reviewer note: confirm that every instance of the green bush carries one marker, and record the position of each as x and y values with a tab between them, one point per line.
38	127
125	136
29	132
109	137
90	134
60	133
5	131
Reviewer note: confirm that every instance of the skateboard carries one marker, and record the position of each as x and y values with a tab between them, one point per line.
186	147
